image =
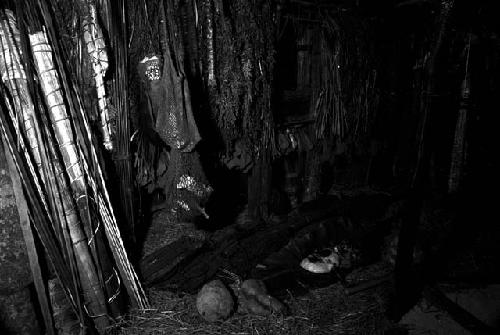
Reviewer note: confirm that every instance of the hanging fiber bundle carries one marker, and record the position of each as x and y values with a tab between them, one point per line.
238	62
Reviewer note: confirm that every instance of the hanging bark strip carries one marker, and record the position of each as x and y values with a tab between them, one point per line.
210	45
174	115
96	48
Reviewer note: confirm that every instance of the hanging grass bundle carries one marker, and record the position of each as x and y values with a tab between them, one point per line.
345	94
237	65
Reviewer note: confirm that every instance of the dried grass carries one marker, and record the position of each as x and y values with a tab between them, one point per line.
326	310
165	229
321	311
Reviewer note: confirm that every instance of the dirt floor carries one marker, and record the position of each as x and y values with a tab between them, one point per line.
324	310
327	310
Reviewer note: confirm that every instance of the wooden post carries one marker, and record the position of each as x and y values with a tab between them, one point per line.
458	152
22	209
406	280
259	188
16	308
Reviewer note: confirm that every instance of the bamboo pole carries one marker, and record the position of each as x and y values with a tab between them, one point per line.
14	76
63	131
98	186
92	37
64	212
42	223
22	111
94	172
118	32
96	48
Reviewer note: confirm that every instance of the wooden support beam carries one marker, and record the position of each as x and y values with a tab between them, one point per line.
436	297
39	281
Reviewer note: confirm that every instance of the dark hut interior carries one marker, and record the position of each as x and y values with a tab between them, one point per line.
249	167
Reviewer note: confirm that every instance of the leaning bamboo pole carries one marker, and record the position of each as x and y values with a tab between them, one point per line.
59	196
62	127
14	77
97	55
64	211
95	178
33	256
42	223
96	49
115	21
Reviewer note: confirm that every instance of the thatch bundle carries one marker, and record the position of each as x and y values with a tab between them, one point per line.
344	91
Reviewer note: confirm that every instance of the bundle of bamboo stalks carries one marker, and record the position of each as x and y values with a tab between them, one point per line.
56	156
115	23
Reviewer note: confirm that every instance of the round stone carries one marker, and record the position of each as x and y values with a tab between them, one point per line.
214	301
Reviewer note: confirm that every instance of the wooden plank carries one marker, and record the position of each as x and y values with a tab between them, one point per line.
22	208
459	314
164	260
234	249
